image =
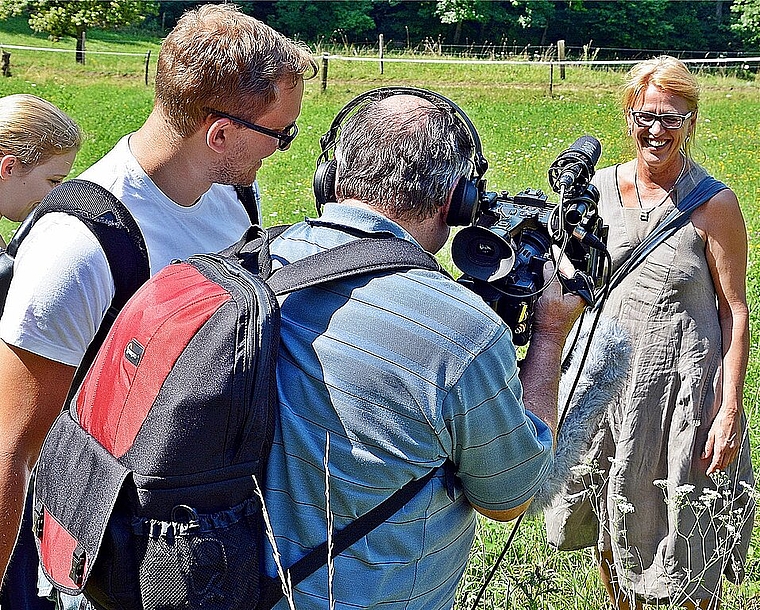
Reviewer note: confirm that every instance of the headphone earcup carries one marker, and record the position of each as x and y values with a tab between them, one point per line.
324	183
464	202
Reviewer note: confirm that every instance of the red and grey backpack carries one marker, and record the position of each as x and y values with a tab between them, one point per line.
145	493
119	235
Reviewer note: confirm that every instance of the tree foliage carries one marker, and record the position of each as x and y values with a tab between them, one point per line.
747	21
314	20
59	18
621	27
457	12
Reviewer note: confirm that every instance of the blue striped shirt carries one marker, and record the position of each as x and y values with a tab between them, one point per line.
403	372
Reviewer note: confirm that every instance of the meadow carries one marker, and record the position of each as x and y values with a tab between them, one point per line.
523	127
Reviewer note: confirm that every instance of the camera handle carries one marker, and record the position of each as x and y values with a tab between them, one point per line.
580	284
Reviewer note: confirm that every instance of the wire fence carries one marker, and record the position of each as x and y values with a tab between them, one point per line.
552	56
6	67
722	61
505	49
70	51
739	64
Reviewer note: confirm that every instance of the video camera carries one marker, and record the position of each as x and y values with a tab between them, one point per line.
502	253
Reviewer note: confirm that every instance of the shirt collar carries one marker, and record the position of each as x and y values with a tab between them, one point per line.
361	219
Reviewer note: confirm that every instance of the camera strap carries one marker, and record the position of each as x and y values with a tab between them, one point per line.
677	218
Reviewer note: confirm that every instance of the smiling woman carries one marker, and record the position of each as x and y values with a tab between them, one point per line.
680	428
38	144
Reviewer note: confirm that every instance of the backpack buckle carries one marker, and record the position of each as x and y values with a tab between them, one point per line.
78	558
39	518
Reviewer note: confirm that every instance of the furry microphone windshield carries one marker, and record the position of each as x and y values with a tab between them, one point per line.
601	380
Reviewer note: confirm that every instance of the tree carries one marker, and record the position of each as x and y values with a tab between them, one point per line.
65	18
457	12
747	21
315	20
536	14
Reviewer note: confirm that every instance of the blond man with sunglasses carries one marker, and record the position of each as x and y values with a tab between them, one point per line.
175	174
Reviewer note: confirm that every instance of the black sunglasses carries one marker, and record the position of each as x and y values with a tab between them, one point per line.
284	137
670	120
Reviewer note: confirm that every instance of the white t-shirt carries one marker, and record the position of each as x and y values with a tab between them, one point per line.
62	285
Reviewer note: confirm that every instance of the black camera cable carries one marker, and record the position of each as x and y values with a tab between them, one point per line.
597	308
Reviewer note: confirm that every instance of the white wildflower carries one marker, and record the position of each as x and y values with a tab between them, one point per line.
582	469
709	496
626	508
622	504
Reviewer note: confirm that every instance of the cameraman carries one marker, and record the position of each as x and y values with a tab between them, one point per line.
405	372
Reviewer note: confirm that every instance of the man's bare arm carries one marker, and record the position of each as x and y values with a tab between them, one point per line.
554	317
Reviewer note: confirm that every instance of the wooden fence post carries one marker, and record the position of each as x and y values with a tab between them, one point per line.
382	51
81	43
147	62
325	58
6	63
551	78
561	57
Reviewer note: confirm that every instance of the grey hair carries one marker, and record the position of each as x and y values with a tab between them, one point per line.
402	161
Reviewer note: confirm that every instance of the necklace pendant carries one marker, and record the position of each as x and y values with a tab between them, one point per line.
644	216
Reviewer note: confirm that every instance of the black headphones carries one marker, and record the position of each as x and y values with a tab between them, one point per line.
464	201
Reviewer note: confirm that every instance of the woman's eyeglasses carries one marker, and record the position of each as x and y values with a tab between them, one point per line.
669	120
284	137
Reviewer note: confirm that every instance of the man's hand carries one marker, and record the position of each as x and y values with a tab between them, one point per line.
556	312
554	317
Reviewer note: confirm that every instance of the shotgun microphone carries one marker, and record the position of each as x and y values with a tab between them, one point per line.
574	167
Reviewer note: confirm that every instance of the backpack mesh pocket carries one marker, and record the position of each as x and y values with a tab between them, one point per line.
192	562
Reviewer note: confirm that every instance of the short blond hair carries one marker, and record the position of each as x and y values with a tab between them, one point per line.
218	57
34	130
668	74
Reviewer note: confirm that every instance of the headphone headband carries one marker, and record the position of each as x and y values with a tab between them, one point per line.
467	193
330	138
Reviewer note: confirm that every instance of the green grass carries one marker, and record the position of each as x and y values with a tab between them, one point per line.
523	128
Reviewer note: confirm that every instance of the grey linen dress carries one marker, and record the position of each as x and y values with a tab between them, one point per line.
643	492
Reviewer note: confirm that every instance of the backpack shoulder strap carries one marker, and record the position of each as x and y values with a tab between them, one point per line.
115	229
357	257
117	233
122	241
250	202
354	258
705	190
109	221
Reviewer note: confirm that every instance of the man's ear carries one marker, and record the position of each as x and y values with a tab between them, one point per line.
217	134
444	209
8	164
